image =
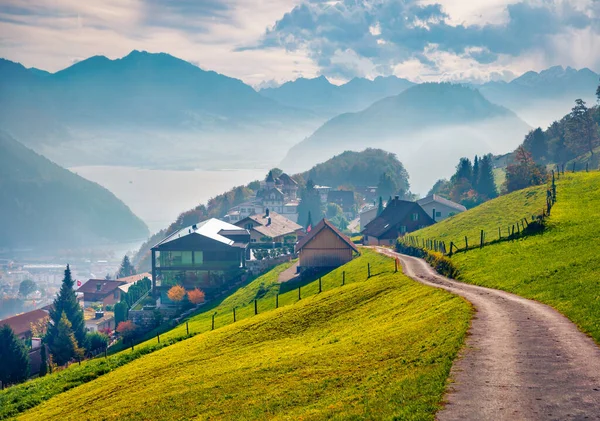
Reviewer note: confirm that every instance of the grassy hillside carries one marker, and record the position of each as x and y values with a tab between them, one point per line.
500	212
376	348
559	267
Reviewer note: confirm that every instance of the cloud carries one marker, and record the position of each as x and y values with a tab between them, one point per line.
389	32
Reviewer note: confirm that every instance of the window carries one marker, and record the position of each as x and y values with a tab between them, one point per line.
403	229
198	258
438	214
248	226
186	258
414	217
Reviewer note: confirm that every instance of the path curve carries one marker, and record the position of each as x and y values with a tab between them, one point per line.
522	360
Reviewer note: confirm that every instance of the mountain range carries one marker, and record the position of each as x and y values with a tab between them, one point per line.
45	206
429	126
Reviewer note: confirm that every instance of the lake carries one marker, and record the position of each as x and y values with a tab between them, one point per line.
159	196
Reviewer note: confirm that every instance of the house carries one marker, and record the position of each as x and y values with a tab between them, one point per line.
270	225
398	218
345	200
324	247
101	291
440	208
271	196
288	186
367	214
98	321
207	255
323	192
22	324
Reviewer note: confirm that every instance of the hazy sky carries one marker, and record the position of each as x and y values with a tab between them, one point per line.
261	41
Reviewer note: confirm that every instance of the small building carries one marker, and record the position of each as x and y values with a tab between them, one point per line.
207	255
101	292
288	186
271	226
323	192
398	218
440	208
324	247
345	200
290	211
99	321
366	215
21	324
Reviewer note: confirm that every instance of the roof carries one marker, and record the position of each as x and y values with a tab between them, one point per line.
106	286
89	315
270	177
267	191
441	200
287	180
279	226
22	323
134	278
324	224
394	213
211	228
342	197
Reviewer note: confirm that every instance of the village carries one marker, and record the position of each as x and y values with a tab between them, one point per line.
212	257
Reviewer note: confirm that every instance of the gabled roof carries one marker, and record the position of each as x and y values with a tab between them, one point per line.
395	212
270	178
324	224
267	191
211	228
279	226
287	180
21	323
106	286
441	200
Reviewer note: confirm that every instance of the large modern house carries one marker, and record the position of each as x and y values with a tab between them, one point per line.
206	255
398	218
439	208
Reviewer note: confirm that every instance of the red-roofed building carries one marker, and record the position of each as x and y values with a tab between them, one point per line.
21	324
101	291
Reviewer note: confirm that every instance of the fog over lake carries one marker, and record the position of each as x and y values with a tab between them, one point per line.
159	196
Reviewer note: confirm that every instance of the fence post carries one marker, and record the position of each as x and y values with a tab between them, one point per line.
105	348
234	315
481	241
587	166
299	297
451	245
368	270
212	327
395	265
466	242
132	344
79	358
187	328
158	337
499	234
320	285
277	301
573	166
255	307
343	278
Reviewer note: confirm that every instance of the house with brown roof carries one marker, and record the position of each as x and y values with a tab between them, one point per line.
101	291
398	218
271	225
21	323
324	247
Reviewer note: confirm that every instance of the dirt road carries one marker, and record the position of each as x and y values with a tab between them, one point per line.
522	360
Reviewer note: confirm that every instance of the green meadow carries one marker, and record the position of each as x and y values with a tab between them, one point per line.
559	267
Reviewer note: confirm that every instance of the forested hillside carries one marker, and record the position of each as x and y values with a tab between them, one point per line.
46	206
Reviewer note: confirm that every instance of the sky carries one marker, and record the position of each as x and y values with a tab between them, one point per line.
267	42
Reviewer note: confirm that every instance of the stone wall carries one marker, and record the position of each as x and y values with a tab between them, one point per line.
256	267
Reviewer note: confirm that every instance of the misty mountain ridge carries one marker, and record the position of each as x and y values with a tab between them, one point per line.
165	106
429	126
322	97
45	206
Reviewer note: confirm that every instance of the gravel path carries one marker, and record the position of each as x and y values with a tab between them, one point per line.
522	360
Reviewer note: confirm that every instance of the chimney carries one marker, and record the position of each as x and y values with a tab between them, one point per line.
267	212
433	215
269	221
397	197
99	314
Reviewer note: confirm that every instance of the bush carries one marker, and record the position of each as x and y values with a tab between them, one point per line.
442	264
95	340
196	296
128	330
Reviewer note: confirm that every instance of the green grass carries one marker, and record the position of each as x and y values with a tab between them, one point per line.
375	348
559	267
499	177
501	212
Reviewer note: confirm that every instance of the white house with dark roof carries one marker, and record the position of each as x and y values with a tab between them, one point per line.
440	208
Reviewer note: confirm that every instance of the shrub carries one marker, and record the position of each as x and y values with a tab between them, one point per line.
196	296
176	293
127	330
96	340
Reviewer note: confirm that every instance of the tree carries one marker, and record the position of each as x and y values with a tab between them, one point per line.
127	330
386	185
380	206
309	222
487	185
598	93
310	203
26	287
64	345
44	361
96	340
14	366
464	169
176	293
196	296
66	302
121	309
582	130
475	174
523	172
126	268
535	143
333	210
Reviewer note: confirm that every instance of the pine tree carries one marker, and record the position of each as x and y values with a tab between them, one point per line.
14	359
535	143
126	268
66	302
475	174
487	185
310	203
44	362
64	346
380	207
309	221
